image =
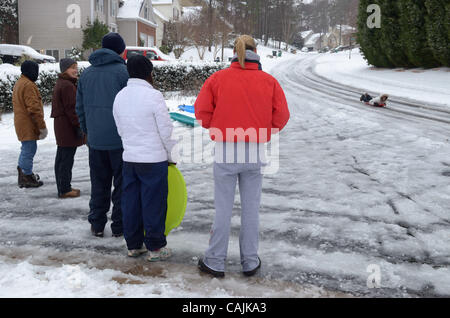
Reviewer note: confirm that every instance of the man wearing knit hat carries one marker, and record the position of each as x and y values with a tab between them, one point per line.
97	89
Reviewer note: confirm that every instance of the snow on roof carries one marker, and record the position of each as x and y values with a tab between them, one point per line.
346	28
190	11
305	34
160	15
130	9
160	2
313	39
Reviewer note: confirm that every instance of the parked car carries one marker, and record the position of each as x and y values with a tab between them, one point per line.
153	53
340	48
11	53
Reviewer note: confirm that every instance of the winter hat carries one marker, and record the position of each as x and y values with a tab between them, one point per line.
115	42
139	67
64	64
30	69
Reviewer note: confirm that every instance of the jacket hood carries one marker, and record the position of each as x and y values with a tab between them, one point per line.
66	77
105	56
31	70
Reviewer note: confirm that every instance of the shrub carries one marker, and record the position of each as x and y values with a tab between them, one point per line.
184	77
6	90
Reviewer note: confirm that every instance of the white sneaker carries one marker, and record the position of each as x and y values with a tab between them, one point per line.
159	255
137	253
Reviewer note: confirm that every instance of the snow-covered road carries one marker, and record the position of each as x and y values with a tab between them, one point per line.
358	190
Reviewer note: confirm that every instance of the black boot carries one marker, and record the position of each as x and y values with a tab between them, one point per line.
31	181
254	271
205	269
20	179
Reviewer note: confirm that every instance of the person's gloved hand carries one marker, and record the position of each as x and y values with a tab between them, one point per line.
43	133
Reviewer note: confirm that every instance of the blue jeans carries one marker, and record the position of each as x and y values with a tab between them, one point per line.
106	171
144	204
27	152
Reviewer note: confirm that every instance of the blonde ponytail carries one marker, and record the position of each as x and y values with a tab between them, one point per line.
243	43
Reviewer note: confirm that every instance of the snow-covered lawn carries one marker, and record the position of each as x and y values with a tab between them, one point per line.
432	85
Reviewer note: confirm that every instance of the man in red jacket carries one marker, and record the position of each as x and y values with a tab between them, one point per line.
242	107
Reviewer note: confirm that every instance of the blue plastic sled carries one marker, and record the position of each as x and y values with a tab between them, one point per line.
187	108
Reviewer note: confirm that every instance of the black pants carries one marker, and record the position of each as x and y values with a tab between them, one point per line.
63	168
106	171
366	98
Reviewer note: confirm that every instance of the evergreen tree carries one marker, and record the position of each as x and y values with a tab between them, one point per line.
447	24
8	21
447	19
413	33
93	34
437	29
390	34
369	38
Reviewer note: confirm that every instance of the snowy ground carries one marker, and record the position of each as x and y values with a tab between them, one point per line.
356	190
431	86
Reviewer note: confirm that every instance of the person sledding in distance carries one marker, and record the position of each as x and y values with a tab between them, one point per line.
245	99
380	101
144	124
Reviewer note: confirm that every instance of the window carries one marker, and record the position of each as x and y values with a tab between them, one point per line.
67	53
151	40
131	53
113	8
176	14
54	53
143	39
146	12
152	55
99	5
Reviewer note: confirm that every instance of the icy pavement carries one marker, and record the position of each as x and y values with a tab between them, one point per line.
356	190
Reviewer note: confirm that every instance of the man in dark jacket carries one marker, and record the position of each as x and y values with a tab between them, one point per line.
97	89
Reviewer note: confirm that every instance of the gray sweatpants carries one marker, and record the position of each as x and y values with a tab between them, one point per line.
226	175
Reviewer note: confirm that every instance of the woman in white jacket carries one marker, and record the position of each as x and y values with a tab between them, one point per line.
144	124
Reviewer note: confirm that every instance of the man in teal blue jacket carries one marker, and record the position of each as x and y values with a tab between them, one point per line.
97	89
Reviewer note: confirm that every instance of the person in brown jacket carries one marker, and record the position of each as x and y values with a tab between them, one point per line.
29	122
67	127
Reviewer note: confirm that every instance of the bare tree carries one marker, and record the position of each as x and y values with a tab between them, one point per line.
176	36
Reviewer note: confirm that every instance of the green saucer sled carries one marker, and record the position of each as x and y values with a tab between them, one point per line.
176	199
